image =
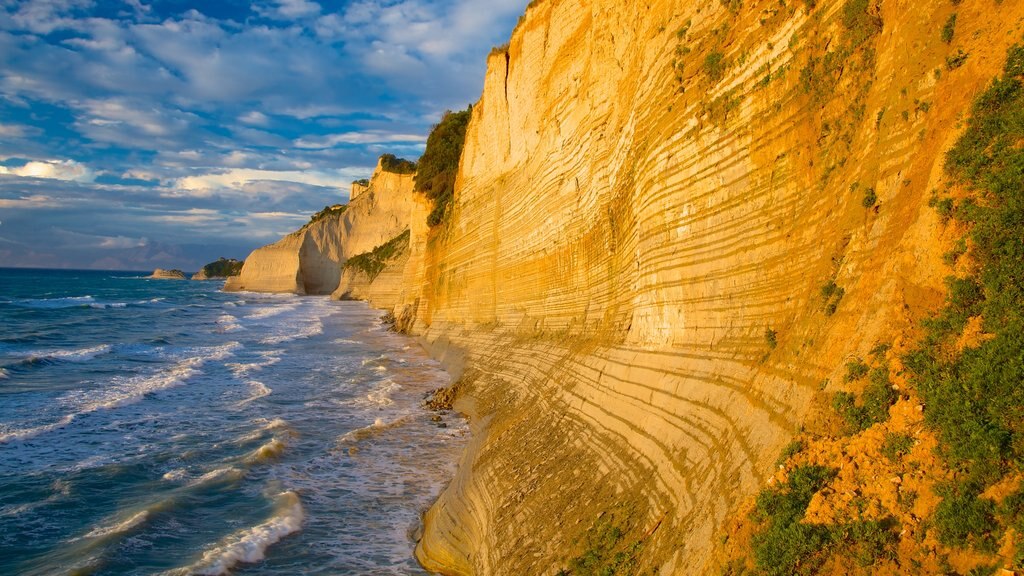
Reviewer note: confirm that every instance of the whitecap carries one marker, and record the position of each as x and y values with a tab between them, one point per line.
118	527
218	475
379	397
78	355
269	312
3	374
124	391
27	433
269	359
228	323
347	341
381	358
258	390
269	451
250	545
308	331
176	475
66	302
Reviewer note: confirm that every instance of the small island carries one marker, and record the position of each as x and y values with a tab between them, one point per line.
222	268
161	274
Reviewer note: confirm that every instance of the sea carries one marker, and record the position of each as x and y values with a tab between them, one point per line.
165	427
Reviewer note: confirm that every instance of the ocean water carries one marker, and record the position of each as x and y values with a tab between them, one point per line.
162	427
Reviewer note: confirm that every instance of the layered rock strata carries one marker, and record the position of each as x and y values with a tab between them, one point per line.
651	199
647	191
309	261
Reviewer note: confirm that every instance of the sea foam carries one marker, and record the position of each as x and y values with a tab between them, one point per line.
250	545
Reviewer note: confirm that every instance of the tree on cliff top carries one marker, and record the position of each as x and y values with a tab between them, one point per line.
440	162
396	165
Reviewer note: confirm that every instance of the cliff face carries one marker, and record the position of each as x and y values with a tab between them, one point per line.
310	260
675	223
651	199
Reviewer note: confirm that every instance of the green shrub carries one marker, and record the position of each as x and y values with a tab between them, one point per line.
973	397
856	369
870	198
439	165
373	263
878	352
733	6
963	519
868	540
861	21
957	60
874	404
787	546
362	182
896	446
949	28
831	295
791	449
223	267
715	65
327	212
607	553
396	165
771	337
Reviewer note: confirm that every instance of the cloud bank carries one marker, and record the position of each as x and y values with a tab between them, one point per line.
191	130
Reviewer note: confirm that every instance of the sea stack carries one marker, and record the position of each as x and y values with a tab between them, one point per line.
161	274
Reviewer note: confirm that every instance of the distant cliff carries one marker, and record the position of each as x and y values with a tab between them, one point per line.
310	260
161	274
222	268
681	283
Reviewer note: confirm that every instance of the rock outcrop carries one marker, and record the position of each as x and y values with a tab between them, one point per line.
673	225
161	274
377	276
219	270
309	261
647	190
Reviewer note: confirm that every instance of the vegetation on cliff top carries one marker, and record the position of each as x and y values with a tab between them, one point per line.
439	164
958	483
396	165
223	268
373	263
327	212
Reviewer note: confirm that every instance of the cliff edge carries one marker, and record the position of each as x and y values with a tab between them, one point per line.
310	260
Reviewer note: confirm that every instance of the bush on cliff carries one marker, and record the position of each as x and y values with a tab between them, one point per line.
327	212
972	394
396	165
440	162
373	263
223	268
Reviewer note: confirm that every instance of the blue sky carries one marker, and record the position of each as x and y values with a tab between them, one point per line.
144	133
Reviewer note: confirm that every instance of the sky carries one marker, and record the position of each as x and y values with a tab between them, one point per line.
137	134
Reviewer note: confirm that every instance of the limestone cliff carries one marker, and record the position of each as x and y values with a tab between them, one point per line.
675	225
651	200
376	276
309	260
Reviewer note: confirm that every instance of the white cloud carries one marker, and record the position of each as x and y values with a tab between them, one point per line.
29	202
237	179
290	9
11	131
51	170
368	137
254	117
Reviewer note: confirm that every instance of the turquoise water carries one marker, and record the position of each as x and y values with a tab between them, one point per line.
163	427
